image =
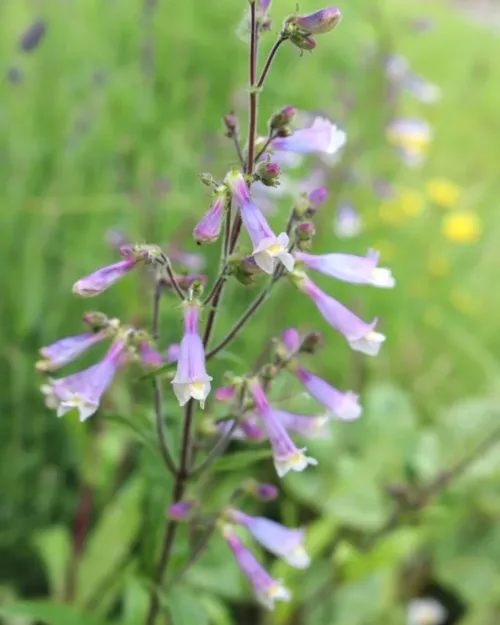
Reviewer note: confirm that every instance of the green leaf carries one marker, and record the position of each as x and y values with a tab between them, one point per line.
135	602
185	607
50	613
240	459
110	542
54	547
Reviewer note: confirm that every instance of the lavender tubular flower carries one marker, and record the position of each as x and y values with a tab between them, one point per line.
322	137
349	268
149	357
279	540
360	335
344	406
207	230
319	22
267	590
83	390
100	280
191	379
286	456
66	350
304	425
267	246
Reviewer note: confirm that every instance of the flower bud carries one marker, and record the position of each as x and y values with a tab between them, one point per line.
304	42
312	342
317	23
231	123
96	320
207	230
244	269
262	492
316	197
182	510
268	173
282	118
32	36
269	372
172	352
304	233
207	179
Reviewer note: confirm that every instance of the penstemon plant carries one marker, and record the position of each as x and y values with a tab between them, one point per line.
276	259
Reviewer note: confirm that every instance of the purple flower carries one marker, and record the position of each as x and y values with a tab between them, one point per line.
250	429
98	281
319	22
286	456
359	334
318	196
281	541
267	246
267	590
180	511
191	261
344	406
191	379
349	268
291	339
173	352
207	230
225	393
323	137
347	222
262	492
66	350
83	390
150	357
302	424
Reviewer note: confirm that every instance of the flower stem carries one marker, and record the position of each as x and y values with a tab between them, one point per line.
173	279
158	394
259	300
217	450
269	61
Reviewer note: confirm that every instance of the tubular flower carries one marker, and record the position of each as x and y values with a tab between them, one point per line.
267	590
319	22
191	379
267	246
66	350
292	340
100	280
281	541
323	137
349	268
302	424
149	357
207	230
83	390
344	406
286	456
359	334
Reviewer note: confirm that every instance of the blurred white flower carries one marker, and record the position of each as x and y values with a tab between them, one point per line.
425	611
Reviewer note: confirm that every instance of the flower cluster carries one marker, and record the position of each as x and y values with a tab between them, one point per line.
265	256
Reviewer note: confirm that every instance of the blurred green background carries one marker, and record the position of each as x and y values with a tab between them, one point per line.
106	124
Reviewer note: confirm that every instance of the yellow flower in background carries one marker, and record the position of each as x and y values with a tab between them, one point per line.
411	202
462	227
465	302
438	265
443	192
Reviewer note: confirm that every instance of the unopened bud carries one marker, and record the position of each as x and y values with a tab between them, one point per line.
282	118
231	123
207	179
96	320
317	23
304	233
244	269
32	36
312	342
182	510
268	173
262	492
304	42
269	372
316	198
